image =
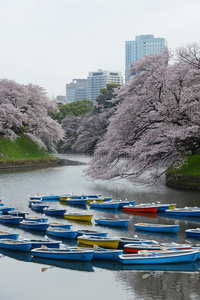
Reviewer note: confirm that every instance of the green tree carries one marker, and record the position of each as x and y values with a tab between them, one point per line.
107	94
77	108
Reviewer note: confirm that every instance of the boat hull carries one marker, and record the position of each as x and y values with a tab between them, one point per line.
66	233
158	258
59	212
117	223
38	226
188	213
193	233
134	209
103	205
15	245
157	228
111	243
63	254
84	218
10	220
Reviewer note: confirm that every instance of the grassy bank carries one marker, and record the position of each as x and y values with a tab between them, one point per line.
187	176
23	151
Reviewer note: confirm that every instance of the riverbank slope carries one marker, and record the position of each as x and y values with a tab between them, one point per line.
187	176
23	153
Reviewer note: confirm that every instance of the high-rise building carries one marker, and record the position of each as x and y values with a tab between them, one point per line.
142	46
76	90
98	80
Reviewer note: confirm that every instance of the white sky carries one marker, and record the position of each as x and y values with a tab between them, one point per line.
50	42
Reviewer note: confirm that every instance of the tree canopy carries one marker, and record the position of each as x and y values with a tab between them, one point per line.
25	108
156	122
77	108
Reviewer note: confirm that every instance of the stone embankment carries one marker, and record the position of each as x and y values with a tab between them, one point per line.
183	181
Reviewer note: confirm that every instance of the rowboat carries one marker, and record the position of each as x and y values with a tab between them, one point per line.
186	212
54	211
149	257
91	233
10	219
48	243
78	216
62	232
155	247
100	199
157	227
100	241
146	208
60	225
191	232
6	209
15	245
8	235
77	201
105	204
18	213
64	254
32	225
36	219
39	206
113	222
132	240
45	197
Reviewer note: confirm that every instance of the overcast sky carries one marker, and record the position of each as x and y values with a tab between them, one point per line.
50	42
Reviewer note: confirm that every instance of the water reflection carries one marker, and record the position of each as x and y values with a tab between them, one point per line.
72	265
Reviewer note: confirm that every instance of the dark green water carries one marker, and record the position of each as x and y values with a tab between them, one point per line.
22	278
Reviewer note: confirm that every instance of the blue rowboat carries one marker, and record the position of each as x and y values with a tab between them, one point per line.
185	212
60	225
6	209
10	219
64	254
113	222
36	219
105	204
62	232
157	227
155	246
32	225
48	243
18	213
45	197
75	201
193	232
1	204
54	211
122	203
39	206
91	233
8	235
149	257
16	245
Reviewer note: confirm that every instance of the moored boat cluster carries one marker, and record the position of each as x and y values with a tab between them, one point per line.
95	244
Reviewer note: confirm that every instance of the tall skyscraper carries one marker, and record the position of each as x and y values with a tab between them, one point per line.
76	90
98	80
142	46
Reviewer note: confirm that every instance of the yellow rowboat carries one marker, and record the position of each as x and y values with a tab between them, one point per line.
78	216
104	242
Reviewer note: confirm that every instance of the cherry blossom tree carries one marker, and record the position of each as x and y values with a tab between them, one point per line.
25	108
157	121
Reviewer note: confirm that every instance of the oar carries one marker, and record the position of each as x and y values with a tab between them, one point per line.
46	248
44	269
67	248
137	238
116	216
97	247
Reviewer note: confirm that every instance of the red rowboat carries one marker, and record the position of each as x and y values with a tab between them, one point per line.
146	208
